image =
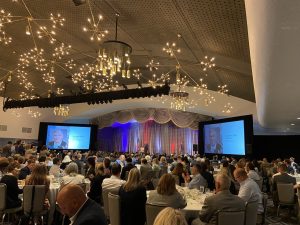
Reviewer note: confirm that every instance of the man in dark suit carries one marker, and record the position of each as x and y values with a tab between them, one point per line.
222	200
24	172
127	168
58	142
213	146
80	209
6	151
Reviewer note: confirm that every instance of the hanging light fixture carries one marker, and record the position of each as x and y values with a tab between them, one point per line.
62	110
179	97
114	57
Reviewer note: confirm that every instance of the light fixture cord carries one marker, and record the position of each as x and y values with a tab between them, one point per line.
117	18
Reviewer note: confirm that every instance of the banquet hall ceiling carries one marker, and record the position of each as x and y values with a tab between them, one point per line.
216	28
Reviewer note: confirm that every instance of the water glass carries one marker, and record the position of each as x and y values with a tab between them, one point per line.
201	189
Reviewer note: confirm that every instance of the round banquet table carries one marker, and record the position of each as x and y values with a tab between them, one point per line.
194	200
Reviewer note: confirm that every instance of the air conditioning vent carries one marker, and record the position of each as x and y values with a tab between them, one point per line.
26	130
3	127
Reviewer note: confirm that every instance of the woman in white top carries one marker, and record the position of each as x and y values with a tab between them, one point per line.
72	176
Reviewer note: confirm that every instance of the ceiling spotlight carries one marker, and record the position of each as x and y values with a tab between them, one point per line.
139	85
292	124
79	2
298	118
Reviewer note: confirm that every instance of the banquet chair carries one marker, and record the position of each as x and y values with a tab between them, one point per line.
114	209
251	213
163	171
155	182
36	208
230	217
261	217
259	183
105	193
3	210
152	211
83	187
286	195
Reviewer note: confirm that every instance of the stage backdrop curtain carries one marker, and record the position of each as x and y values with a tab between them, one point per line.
161	138
179	118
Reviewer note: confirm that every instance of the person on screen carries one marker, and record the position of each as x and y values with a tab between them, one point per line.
58	142
213	146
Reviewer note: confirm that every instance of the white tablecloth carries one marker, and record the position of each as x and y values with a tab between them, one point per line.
297	177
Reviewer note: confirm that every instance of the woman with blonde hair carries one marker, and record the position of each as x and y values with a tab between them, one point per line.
170	216
166	193
133	199
72	176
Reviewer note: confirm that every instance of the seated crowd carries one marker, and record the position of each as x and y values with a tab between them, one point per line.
140	179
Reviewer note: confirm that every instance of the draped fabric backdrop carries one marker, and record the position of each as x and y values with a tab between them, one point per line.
163	130
161	138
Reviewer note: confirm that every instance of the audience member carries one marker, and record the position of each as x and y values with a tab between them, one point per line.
208	176
39	177
197	180
166	193
222	200
133	199
55	168
95	192
249	189
114	182
91	164
24	172
11	181
80	209
250	168
127	168
71	175
170	216
281	177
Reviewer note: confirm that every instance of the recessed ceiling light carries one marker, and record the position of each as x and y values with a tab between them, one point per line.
298	118
292	124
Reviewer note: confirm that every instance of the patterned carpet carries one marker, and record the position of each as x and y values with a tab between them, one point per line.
286	218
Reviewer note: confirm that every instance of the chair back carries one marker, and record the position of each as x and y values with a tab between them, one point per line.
126	175
2	197
286	193
83	186
38	200
155	182
105	199
251	213
164	170
230	217
176	179
114	209
260	183
152	211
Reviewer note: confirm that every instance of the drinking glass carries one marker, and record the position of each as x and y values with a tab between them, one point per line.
201	189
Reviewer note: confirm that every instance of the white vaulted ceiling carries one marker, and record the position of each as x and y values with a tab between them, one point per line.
274	38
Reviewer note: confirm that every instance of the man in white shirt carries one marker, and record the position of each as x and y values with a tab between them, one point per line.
81	210
249	190
114	182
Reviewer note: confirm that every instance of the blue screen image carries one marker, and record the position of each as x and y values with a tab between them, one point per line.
225	138
68	137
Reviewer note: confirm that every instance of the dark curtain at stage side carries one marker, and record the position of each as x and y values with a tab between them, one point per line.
130	137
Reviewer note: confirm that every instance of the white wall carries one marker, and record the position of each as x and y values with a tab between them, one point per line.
15	124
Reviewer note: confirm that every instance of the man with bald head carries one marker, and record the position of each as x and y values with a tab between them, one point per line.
249	189
222	200
80	209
